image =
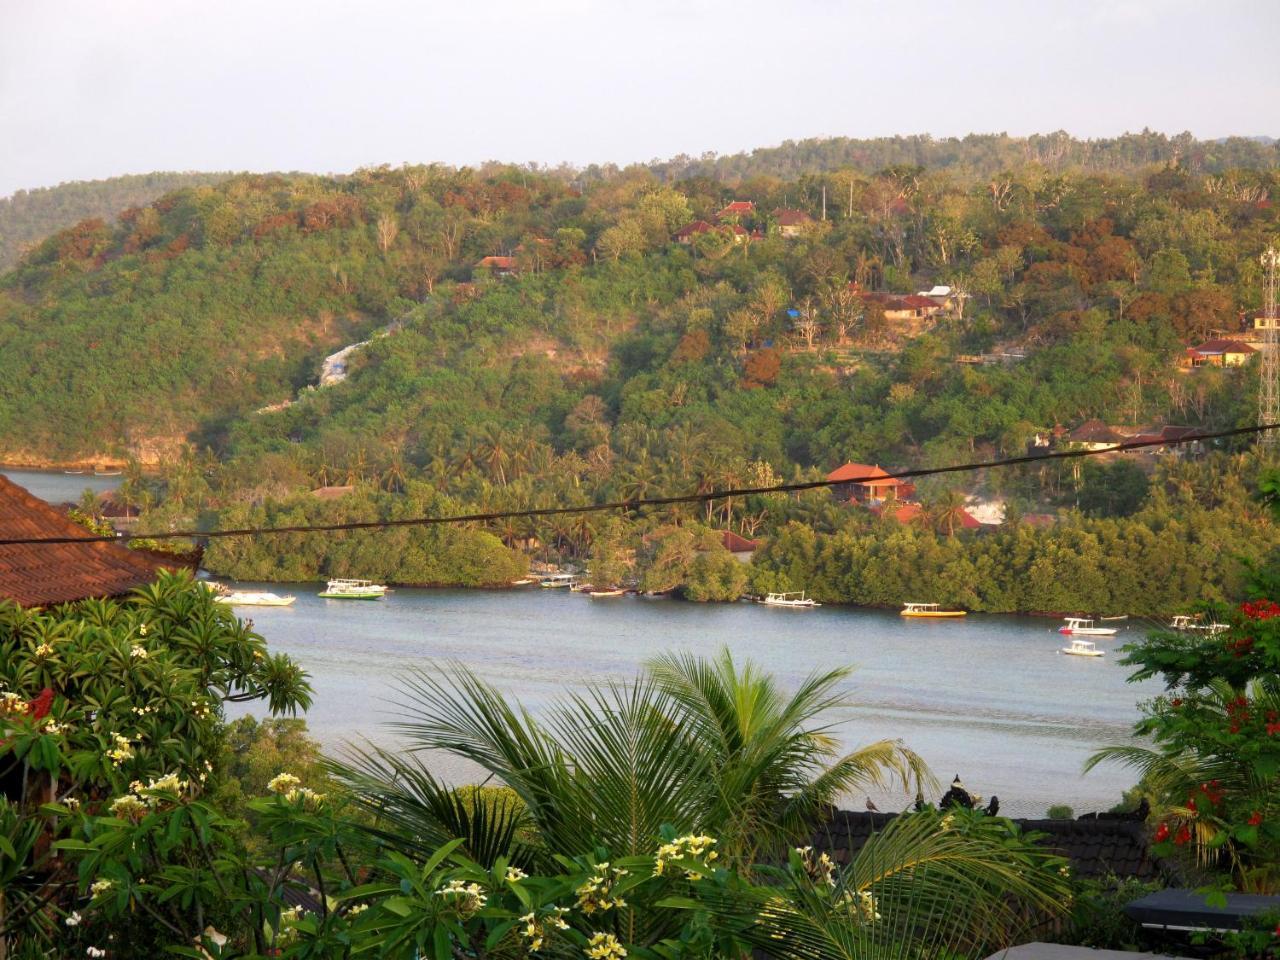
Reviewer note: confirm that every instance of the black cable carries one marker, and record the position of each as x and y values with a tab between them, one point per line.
637	503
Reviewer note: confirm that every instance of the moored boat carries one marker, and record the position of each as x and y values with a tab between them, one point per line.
73	473
795	600
1080	626
346	589
1186	624
928	610
251	599
1083	648
555	580
600	594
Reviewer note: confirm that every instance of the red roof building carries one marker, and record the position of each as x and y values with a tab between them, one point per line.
1220	353
791	223
739	208
735	543
686	233
47	573
498	266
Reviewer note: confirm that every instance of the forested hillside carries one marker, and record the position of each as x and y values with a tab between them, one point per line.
561	339
28	216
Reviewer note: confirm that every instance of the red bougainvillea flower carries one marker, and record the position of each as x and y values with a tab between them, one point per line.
1182	836
1260	609
1176	702
1256	818
1162	833
1273	729
1191	804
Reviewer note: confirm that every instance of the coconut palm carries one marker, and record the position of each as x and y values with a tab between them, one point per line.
701	745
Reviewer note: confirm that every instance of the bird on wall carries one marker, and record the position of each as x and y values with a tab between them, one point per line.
871	806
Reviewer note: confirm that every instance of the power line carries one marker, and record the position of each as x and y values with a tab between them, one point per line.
639	502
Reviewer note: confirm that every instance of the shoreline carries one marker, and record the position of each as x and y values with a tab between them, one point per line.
498	588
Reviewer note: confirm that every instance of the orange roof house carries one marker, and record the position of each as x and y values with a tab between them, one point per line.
686	233
860	481
47	573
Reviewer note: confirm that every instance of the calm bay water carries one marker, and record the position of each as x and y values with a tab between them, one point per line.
58	487
988	697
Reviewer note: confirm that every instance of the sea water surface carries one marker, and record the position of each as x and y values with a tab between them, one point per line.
58	487
987	697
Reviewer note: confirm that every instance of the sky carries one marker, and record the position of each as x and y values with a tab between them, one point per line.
96	88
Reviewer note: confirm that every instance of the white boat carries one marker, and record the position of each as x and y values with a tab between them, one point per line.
796	600
523	582
553	580
250	599
1083	648
1085	628
600	594
1186	624
928	610
344	589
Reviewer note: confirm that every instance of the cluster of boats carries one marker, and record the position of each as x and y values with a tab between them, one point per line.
339	589
571	582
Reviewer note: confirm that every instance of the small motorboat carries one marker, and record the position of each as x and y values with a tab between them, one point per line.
73	473
1079	626
107	473
1187	624
523	582
1083	648
796	600
928	610
345	589
248	599
601	594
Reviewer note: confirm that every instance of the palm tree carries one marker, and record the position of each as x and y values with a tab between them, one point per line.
949	511
772	762
701	745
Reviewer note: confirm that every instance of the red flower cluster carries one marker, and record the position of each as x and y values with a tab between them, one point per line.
1211	792
1162	833
1256	818
1239	646
1237	713
1183	835
1260	609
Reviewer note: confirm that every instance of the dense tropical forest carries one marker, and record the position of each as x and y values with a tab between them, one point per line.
28	216
562	337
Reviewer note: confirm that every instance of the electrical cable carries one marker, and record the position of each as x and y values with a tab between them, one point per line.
640	502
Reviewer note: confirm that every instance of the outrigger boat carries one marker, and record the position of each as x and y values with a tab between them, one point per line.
554	580
1186	624
254	599
1085	628
796	600
928	610
1083	648
344	589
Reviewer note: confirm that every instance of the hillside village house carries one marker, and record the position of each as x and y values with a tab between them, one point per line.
1220	353
792	223
865	483
37	575
498	266
1093	435
739	208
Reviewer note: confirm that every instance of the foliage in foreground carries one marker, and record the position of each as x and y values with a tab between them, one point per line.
655	819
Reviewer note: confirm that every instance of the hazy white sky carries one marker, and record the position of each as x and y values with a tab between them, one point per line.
93	88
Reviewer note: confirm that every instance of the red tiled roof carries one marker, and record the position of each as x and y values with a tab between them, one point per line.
910	513
737	544
42	574
1219	346
859	472
915	300
737	207
698	226
791	218
1094	431
498	263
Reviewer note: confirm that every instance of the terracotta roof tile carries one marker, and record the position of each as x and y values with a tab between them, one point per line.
41	574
